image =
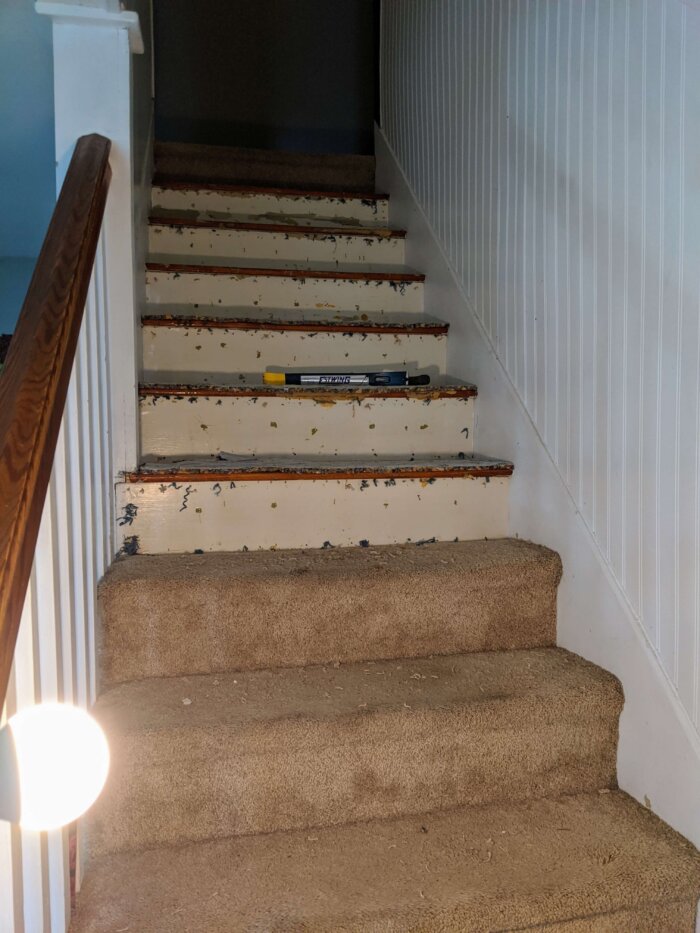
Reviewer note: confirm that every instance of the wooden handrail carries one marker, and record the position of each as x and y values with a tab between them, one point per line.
34	381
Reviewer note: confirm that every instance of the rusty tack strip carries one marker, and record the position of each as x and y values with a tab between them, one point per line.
325	327
421	393
173	183
202	269
292	229
238	476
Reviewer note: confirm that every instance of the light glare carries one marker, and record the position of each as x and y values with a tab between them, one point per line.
63	760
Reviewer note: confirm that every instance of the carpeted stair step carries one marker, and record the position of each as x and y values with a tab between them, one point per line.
164	615
243	753
593	863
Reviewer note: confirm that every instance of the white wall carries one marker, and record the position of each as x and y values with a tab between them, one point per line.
545	156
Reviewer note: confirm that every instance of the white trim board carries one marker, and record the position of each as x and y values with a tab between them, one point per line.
659	750
78	14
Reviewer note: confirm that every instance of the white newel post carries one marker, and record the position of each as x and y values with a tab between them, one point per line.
92	47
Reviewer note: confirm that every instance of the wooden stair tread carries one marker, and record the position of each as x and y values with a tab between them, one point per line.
229	468
311	194
355	272
316	393
313	320
317	229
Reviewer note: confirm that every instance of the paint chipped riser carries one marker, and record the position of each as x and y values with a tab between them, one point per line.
278	291
187	425
219	356
259	515
276	208
296	247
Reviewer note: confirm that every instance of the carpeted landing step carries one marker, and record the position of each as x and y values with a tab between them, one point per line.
239	753
171	614
594	863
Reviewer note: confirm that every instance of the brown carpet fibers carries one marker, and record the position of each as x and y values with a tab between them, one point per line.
595	863
239	753
197	613
375	740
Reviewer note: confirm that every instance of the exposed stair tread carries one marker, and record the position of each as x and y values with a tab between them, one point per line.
245	166
271	223
310	194
439	389
213	265
313	319
229	466
496	868
242	699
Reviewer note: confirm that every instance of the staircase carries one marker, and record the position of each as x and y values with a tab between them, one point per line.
329	680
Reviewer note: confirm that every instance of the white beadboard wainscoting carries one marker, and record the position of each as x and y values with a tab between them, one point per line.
545	157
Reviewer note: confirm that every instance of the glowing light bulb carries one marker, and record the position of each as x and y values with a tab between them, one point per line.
62	761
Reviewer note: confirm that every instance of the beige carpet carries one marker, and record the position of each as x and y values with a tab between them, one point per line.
197	757
198	613
598	858
320	741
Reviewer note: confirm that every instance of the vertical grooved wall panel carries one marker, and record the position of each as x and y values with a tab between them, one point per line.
555	149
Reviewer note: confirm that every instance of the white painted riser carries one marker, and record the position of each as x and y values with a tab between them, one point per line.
274	208
219	356
185	426
307	513
282	292
248	244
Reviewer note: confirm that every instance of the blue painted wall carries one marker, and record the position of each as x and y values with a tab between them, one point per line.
27	165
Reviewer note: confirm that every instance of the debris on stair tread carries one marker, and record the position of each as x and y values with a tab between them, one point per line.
309	195
259	316
295	224
249	266
216	463
171	614
548	675
503	561
312	197
290	748
441	387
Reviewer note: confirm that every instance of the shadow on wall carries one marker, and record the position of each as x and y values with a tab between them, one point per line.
266	74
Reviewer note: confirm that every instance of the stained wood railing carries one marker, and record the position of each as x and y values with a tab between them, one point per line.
35	380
